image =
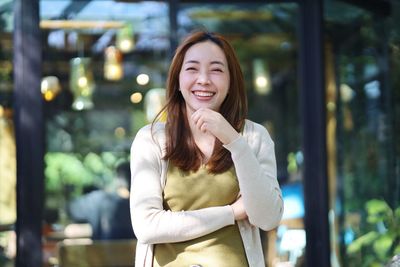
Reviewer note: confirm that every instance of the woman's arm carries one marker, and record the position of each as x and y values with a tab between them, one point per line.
151	223
255	167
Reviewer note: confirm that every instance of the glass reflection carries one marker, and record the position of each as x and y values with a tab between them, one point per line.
362	182
96	49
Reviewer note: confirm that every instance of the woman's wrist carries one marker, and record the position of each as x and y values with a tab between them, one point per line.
233	212
230	138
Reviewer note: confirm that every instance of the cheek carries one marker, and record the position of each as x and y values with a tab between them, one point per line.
225	85
183	81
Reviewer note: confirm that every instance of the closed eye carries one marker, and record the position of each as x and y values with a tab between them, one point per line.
217	70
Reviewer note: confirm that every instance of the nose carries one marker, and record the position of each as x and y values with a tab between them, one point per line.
203	78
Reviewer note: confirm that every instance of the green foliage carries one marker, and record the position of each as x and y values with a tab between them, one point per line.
76	171
382	241
65	169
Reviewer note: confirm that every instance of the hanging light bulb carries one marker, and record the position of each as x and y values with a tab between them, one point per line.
113	68
262	79
81	83
125	39
50	87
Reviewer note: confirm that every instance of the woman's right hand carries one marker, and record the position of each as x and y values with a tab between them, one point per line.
238	210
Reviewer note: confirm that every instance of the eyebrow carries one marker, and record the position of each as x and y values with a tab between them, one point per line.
212	62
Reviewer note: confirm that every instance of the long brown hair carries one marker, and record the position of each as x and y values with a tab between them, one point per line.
181	149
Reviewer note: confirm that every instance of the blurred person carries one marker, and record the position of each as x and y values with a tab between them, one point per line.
204	182
107	211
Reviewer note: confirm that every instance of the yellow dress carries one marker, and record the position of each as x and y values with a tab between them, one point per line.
192	191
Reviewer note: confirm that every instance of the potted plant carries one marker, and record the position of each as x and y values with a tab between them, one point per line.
382	239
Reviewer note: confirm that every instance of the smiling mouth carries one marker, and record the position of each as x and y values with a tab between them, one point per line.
203	94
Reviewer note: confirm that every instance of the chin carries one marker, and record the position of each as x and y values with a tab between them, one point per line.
197	107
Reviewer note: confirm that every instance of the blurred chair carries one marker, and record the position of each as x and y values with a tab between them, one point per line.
88	253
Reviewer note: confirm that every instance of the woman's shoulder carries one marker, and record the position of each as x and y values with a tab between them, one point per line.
155	128
154	132
251	127
254	130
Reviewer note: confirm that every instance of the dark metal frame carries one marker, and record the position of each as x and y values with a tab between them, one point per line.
28	120
314	134
30	130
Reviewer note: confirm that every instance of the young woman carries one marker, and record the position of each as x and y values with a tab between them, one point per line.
204	182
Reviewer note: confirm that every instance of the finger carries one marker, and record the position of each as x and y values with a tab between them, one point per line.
195	116
203	127
199	123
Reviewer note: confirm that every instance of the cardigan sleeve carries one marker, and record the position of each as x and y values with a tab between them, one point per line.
151	223
254	158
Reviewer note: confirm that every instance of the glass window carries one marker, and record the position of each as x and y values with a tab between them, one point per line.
8	173
266	41
104	68
362	69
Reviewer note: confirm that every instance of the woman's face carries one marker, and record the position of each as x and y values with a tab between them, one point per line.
204	77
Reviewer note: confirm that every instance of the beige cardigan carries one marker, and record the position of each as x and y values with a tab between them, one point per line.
254	159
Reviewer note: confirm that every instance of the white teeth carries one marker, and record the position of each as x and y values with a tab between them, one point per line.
200	93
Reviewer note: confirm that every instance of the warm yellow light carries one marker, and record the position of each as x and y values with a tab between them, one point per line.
1	111
82	81
113	72
80	24
331	106
119	132
262	81
346	93
48	96
113	67
50	87
136	97
142	79
125	40
126	45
